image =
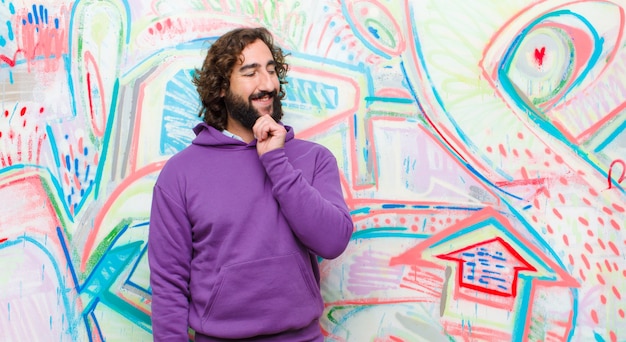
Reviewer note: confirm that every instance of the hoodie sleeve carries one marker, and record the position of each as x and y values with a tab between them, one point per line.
169	257
316	210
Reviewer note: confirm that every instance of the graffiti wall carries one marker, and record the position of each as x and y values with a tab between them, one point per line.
481	144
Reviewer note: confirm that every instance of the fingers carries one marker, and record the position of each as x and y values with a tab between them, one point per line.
265	127
269	134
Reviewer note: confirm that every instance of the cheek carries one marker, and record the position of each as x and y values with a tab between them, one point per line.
241	91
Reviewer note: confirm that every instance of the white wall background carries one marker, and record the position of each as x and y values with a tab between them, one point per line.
482	146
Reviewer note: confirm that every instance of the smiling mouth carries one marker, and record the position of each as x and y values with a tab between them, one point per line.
263	96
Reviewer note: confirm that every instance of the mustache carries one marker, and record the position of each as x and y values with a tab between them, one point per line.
262	94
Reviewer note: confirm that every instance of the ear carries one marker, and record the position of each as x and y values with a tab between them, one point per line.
224	87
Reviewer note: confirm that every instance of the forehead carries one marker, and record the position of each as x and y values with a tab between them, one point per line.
256	53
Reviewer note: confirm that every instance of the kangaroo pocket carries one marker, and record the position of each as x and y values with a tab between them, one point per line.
262	297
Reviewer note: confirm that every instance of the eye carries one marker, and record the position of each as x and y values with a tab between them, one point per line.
555	62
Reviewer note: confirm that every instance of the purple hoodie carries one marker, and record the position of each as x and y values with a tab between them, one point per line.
234	239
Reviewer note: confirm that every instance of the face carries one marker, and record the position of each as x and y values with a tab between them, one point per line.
245	113
254	86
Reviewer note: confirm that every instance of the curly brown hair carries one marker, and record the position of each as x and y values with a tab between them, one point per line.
214	76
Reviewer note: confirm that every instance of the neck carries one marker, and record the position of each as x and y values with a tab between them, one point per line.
235	127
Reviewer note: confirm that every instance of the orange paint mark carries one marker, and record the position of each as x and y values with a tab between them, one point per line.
601	280
562	198
571	259
594	316
584	222
558	159
520	135
563	180
593	192
608	265
546	192
601	220
566	240
615	250
534	218
550	229
616	292
502	150
601	243
607	210
589	232
528	153
76	182
548	152
613	336
587	202
599	266
557	213
524	173
603	299
582	275
515	153
621	313
615	225
618	208
489	149
588	247
584	257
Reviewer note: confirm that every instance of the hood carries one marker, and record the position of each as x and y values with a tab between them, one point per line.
209	136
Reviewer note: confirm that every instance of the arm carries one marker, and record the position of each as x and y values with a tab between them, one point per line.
316	212
169	257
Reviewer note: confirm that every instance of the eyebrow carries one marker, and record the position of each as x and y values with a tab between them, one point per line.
255	66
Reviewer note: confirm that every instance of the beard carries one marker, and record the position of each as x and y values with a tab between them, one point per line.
245	113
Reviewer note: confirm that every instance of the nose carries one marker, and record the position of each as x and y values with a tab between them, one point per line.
267	81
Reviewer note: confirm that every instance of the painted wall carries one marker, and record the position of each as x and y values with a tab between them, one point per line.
482	146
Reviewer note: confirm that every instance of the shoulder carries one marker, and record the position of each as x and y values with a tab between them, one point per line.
299	148
175	166
307	145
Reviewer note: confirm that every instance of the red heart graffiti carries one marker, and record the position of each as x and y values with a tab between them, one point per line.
539	55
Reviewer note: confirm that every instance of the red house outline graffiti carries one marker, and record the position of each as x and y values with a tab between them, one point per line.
487	280
479	229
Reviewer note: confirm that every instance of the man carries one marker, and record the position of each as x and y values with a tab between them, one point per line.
240	216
